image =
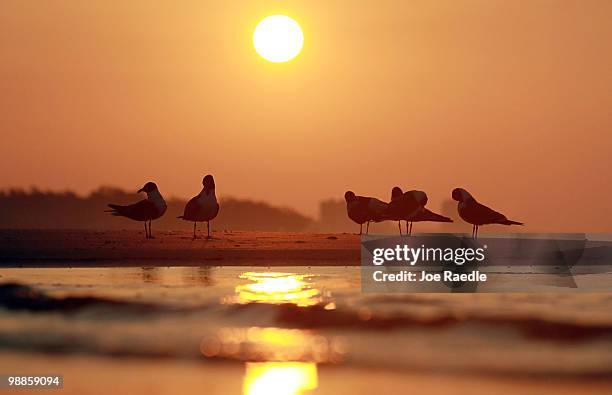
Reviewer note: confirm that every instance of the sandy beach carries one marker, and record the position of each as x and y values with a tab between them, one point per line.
53	248
124	248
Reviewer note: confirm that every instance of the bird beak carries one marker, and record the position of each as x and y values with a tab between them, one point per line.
140	190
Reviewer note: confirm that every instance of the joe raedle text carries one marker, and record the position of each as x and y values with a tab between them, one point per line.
406	264
425	276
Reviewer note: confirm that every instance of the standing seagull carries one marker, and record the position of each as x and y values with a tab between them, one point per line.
363	209
153	207
478	214
404	206
421	214
203	207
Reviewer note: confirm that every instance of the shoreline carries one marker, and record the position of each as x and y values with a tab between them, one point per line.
88	248
129	248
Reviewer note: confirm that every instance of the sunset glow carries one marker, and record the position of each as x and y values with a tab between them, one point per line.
278	38
169	93
280	378
231	197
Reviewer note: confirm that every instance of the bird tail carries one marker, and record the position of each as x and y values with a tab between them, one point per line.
509	222
433	217
382	217
116	209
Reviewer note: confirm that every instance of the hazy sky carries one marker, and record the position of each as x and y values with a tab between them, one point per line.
509	99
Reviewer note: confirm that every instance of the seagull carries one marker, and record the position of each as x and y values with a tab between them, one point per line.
203	207
404	205
406	202
363	209
478	214
153	207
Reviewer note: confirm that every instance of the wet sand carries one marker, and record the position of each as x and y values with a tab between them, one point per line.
61	248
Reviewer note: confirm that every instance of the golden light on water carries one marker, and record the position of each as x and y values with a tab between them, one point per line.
280	378
278	288
271	337
257	344
290	355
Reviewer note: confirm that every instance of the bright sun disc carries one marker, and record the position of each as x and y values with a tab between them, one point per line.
278	38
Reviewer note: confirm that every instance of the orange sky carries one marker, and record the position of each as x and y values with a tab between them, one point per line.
509	99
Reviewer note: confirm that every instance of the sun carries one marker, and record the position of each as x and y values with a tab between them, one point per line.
278	38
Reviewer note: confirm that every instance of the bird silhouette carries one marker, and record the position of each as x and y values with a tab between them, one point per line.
364	209
203	207
153	207
476	213
410	207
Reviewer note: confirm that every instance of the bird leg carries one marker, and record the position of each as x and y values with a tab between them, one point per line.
208	229
399	225
146	231
360	229
368	227
150	233
473	228
194	230
476	234
410	233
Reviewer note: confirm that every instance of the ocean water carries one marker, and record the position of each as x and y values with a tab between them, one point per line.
294	330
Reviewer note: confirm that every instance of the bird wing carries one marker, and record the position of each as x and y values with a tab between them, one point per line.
410	204
377	206
368	209
140	211
377	210
191	208
487	215
427	215
357	209
402	208
198	210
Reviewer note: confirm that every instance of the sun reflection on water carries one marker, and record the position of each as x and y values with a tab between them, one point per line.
278	288
280	378
278	361
257	344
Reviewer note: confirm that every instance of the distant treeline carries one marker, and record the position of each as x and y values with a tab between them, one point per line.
66	210
35	209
